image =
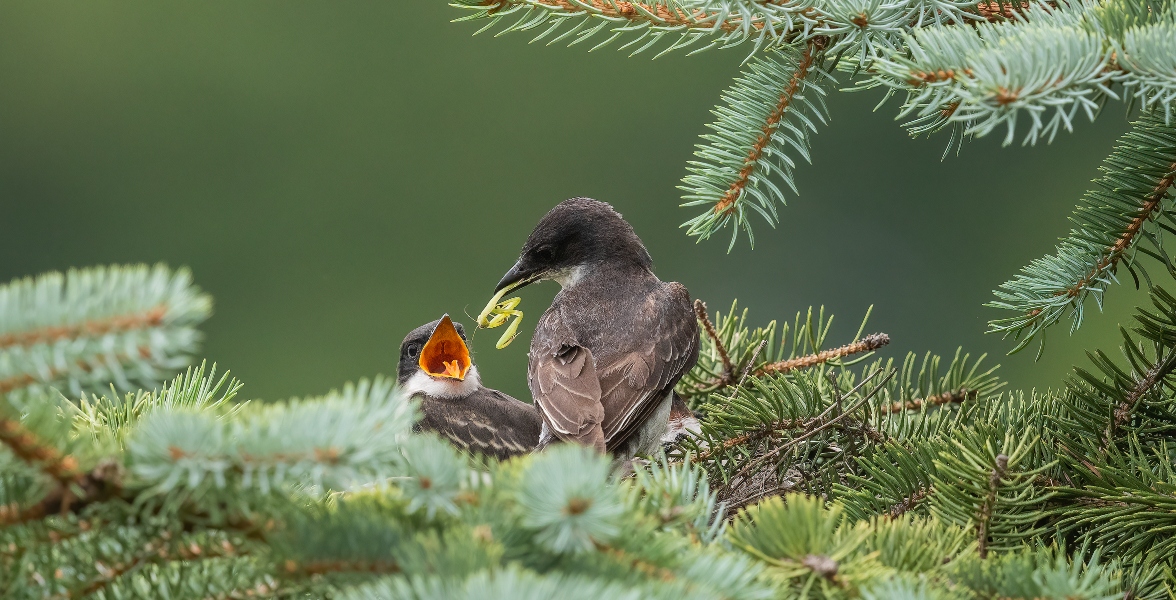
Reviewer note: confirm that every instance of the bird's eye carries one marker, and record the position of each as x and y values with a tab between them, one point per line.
414	350
544	254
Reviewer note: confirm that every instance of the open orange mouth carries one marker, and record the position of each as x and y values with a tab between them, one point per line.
445	354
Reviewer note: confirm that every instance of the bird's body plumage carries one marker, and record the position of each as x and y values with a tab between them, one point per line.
606	355
486	422
456	405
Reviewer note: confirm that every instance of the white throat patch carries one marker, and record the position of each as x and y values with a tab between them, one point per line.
443	387
569	277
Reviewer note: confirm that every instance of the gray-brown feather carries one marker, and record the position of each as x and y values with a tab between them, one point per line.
642	337
486	422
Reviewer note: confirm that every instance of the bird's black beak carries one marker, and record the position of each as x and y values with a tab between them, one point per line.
518	276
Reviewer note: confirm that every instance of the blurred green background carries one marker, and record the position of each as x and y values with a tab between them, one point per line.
336	173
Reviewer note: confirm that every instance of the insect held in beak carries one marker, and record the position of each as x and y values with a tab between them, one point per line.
497	313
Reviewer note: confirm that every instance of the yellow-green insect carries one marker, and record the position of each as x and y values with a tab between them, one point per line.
497	313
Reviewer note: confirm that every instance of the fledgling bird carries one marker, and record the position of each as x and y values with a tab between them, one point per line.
435	365
606	355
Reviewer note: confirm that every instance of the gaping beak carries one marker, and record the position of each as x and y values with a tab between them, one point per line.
445	354
516	277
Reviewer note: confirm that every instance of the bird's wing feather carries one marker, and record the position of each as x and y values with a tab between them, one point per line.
566	388
488	422
634	382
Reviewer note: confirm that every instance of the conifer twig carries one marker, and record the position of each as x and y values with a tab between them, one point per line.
104	481
908	502
812	49
654	13
637	563
950	397
17	382
95	327
1003	10
821	427
28	447
986	509
766	430
322	567
854	427
704	318
1116	251
867	344
1143	385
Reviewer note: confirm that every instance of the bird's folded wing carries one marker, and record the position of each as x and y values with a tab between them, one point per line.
567	390
634	383
476	430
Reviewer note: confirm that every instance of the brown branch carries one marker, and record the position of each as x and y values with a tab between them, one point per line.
869	343
636	12
1116	251
17	382
925	77
951	397
726	203
107	578
640	564
117	323
1002	464
823	425
101	483
157	548
728	368
30	448
1123	411
766	430
908	503
320	567
658	14
1001	10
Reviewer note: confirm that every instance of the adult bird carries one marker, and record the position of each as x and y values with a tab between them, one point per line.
606	355
435	365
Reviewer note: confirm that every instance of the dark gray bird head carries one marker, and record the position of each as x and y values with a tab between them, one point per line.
571	240
435	360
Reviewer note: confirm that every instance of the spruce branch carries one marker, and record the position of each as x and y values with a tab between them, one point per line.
1110	224
1150	205
984	481
661	13
731	347
27	446
26	380
153	317
324	567
129	326
1112	404
1001	9
869	343
909	502
769	114
813	427
103	482
993	83
984	515
685	23
725	205
1126	406
728	369
635	562
109	575
767	430
950	397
